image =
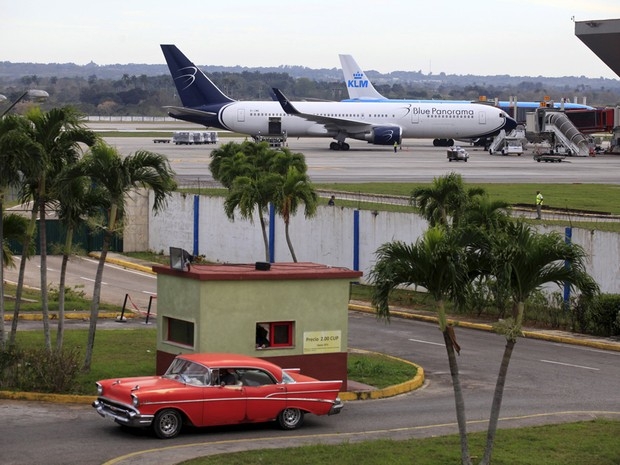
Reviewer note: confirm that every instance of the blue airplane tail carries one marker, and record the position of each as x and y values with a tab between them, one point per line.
194	87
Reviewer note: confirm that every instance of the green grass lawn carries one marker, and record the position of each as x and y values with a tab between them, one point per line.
31	300
588	197
584	443
118	353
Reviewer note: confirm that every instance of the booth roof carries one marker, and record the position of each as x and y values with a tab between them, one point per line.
260	271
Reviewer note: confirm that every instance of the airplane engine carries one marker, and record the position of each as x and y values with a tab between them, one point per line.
386	135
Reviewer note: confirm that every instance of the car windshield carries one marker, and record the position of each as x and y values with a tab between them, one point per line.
188	372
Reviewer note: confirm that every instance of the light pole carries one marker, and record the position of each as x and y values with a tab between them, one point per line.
32	94
38	95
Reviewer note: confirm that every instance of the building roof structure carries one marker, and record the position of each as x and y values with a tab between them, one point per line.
602	36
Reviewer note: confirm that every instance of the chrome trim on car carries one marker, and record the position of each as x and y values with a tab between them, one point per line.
337	407
123	414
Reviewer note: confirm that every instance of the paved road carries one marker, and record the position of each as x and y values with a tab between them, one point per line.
547	383
81	271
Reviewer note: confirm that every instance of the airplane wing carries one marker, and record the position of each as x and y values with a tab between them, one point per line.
331	123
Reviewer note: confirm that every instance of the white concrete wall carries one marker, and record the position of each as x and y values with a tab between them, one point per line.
136	224
328	237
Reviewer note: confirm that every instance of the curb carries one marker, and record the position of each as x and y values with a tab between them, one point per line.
489	328
390	391
68	316
45	397
123	263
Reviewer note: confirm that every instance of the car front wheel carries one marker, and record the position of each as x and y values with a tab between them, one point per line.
167	424
290	418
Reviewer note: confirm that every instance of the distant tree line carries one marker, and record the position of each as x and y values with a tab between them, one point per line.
143	94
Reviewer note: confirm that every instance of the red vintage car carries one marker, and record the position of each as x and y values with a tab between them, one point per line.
216	389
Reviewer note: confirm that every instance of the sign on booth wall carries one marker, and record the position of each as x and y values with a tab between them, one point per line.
322	341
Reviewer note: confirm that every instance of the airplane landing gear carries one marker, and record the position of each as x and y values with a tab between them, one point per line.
339	146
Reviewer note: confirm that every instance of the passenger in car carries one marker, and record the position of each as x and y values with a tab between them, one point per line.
229	377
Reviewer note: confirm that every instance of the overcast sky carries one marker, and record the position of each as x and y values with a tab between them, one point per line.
482	37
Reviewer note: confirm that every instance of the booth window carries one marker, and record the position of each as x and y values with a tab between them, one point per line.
179	331
279	333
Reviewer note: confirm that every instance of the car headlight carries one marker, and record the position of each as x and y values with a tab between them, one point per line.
99	389
135	401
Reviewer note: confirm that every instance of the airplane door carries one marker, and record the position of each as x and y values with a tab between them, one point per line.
415	117
241	115
275	126
482	117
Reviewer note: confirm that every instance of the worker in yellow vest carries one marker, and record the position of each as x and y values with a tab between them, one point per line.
539	202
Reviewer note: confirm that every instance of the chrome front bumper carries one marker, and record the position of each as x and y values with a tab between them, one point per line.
337	407
121	414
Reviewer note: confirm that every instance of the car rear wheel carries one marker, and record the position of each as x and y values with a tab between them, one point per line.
167	424
290	418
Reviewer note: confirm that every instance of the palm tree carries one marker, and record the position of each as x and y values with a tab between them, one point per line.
116	177
14	228
283	159
28	250
59	132
438	263
240	168
487	214
523	261
228	162
78	199
252	173
445	201
15	159
54	140
294	188
248	194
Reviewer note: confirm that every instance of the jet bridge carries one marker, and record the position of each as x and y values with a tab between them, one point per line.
561	133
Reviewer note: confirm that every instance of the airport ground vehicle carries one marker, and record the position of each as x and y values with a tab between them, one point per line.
193	137
510	146
194	391
549	157
458	153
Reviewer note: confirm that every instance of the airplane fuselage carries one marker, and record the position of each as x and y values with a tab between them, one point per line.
381	123
416	120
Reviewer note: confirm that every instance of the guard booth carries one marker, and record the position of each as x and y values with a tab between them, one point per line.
292	314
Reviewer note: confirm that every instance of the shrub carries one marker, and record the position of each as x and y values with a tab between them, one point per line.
10	359
602	315
39	370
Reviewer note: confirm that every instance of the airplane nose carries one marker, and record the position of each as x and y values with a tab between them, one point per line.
511	124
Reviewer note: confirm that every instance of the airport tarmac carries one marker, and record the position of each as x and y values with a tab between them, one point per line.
416	161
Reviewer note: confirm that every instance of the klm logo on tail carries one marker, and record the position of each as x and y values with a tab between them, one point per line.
358	81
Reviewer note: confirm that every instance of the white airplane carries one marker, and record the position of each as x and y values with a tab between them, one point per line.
381	123
360	89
